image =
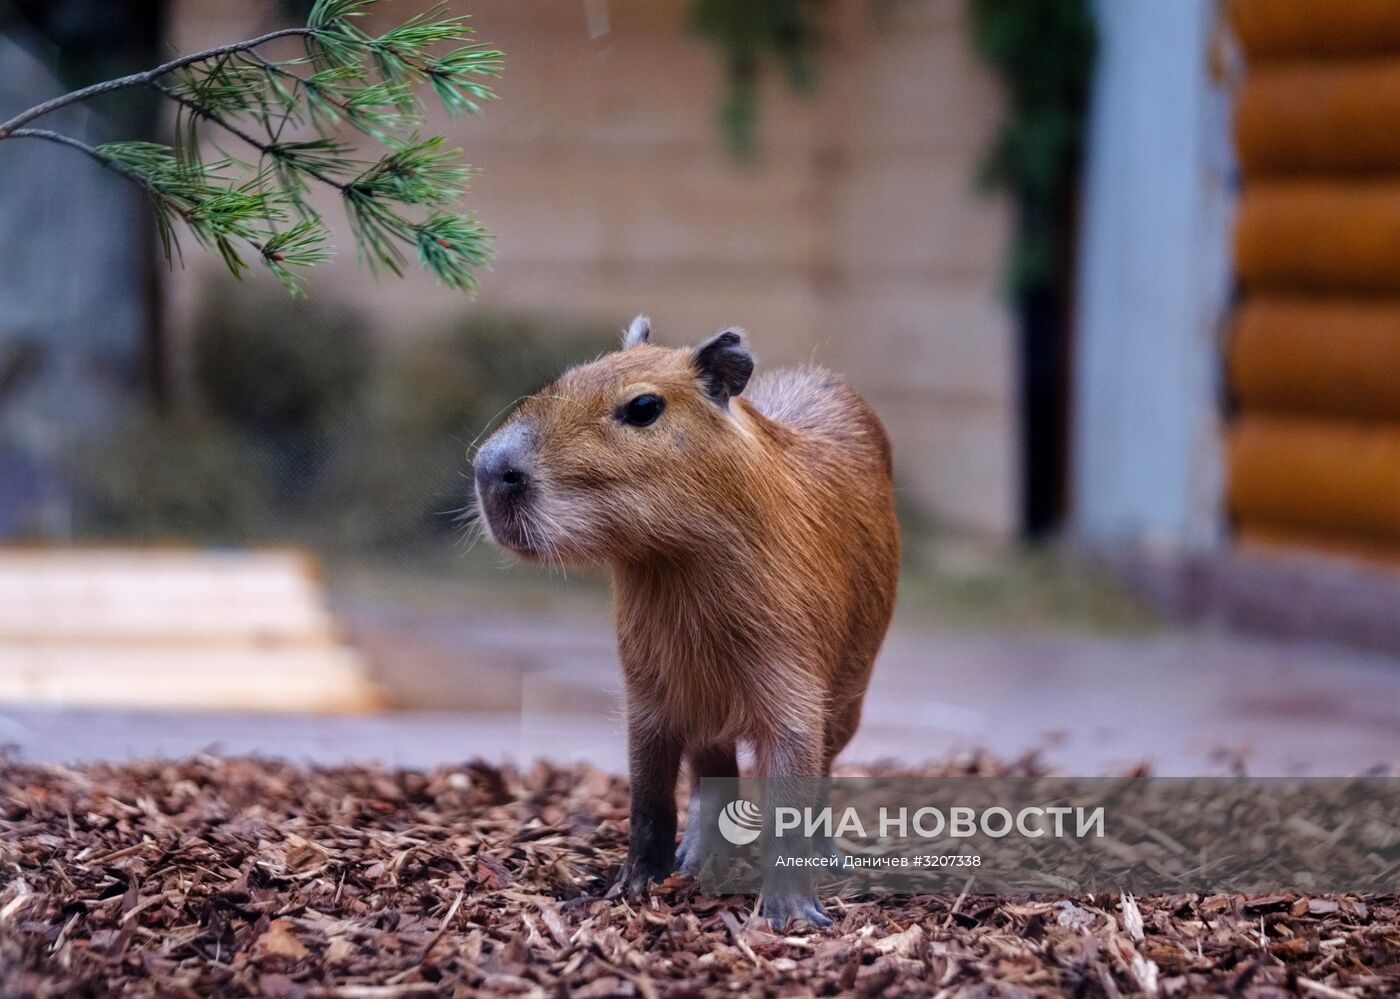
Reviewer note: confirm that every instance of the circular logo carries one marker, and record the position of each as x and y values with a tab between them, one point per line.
740	822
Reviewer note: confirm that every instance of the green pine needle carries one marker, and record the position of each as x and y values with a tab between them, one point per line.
380	231
451	74
381	109
454	248
399	53
416	173
303	245
309	156
326	12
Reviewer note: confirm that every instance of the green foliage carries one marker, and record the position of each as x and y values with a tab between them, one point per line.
402	473
452	78
1044	52
303	429
284	110
172	478
276	370
303	245
417	173
752	33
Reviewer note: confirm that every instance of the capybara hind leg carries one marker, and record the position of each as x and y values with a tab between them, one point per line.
707	797
840	727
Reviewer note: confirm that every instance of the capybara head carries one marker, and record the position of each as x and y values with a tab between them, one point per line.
622	458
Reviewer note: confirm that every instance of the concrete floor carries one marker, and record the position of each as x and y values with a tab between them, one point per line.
526	686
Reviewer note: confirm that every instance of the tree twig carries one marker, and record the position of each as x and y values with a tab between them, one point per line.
267	148
142	79
83	147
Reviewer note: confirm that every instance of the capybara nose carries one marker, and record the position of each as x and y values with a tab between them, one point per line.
502	481
498	475
502	465
513	480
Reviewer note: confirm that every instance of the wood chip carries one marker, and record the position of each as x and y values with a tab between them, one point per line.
255	877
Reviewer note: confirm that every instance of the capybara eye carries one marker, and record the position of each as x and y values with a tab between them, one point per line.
642	411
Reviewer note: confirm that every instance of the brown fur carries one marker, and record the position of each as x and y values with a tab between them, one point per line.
753	546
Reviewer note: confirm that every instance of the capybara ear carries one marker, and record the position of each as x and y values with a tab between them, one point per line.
724	365
637	334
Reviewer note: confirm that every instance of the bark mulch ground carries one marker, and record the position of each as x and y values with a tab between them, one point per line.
253	877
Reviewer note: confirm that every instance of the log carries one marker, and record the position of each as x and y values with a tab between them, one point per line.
1334	478
1317	357
1320	117
1320	236
1269	29
1269	542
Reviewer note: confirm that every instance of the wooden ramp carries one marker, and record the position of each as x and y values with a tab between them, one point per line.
171	628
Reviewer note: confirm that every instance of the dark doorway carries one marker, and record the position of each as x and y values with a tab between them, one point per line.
1043	318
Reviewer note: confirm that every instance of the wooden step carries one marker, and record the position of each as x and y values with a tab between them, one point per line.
210	677
161	595
173	628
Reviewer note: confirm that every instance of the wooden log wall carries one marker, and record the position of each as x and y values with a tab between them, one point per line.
1314	360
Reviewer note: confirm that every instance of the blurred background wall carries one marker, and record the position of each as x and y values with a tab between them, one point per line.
1199	383
80	324
853	237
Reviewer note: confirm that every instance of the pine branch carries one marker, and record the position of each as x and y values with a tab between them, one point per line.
273	148
82	147
142	79
395	202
